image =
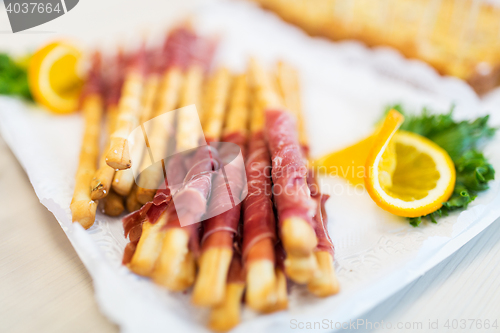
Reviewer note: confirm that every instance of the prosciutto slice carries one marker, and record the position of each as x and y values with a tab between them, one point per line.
151	211
227	189
191	199
321	220
289	169
258	214
182	48
236	273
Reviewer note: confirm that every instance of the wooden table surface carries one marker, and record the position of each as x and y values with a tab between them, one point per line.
44	286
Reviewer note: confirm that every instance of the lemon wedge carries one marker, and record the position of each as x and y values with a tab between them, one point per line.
348	163
53	77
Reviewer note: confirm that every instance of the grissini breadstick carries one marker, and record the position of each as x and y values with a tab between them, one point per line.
150	244
124	179
226	314
294	204
152	175
168	271
148	247
217	241
175	261
151	220
259	223
83	208
101	182
131	202
299	268
118	156
176	265
281	291
177	46
324	281
281	280
188	135
237	118
215	100
113	204
289	88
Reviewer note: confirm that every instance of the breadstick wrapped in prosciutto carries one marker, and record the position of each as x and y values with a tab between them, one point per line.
146	228
324	281
292	198
219	230
226	314
118	156
83	208
178	257
259	225
124	179
153	216
101	182
175	265
281	281
176	49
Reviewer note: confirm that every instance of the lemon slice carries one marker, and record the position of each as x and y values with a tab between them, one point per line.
407	174
348	163
53	77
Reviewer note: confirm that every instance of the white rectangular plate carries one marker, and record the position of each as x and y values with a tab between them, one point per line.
345	88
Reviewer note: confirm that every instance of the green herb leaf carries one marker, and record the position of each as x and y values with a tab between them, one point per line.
462	140
13	78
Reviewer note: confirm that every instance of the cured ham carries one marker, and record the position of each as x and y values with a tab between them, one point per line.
259	220
175	261
154	216
176	51
259	224
294	205
324	281
228	185
240	249
289	171
321	219
226	314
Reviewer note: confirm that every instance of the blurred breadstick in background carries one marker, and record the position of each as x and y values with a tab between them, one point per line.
176	266
101	183
83	208
167	100
148	249
217	242
118	155
113	204
259	222
124	179
132	203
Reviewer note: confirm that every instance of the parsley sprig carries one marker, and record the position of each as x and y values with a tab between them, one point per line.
13	78
463	141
